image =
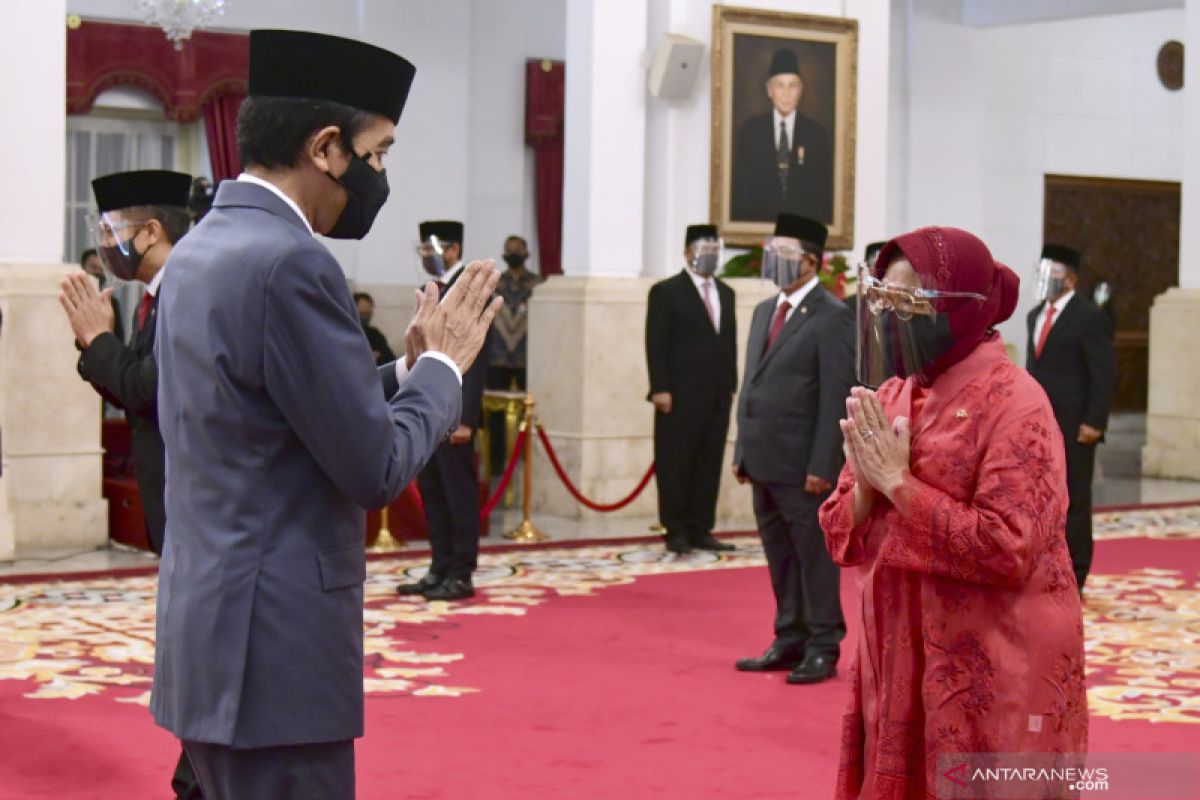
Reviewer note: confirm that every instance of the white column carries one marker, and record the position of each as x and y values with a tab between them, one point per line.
1173	417
605	138
50	489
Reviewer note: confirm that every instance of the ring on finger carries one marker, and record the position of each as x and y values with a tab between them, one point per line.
868	434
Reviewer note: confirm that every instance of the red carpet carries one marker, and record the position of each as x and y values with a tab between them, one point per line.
597	673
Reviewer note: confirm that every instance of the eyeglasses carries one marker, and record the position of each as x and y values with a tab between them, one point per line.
905	301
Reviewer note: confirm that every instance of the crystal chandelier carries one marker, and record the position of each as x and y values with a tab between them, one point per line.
178	18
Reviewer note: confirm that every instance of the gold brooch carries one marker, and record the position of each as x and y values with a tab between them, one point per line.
961	413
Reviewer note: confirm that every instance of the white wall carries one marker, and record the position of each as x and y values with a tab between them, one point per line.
1189	244
460	151
991	111
678	133
500	196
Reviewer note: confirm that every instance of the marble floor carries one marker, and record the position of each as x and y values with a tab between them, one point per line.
1119	482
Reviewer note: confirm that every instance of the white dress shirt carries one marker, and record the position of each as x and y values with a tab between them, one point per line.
155	282
713	296
789	124
795	298
1059	305
401	363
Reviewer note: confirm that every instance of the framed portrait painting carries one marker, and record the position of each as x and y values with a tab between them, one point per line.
784	95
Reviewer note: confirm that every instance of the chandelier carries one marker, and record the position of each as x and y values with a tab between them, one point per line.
178	18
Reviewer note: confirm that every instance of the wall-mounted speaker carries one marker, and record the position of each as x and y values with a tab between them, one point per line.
675	67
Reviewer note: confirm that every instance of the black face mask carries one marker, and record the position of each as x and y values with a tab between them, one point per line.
515	260
122	266
916	343
366	192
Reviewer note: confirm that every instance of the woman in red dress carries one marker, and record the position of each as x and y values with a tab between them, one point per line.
952	506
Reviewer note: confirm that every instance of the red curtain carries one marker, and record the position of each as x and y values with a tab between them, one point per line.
220	126
545	89
101	55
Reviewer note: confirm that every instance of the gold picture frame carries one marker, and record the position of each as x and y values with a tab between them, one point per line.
749	184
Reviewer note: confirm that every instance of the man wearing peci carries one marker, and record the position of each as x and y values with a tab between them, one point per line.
691	351
799	370
1070	353
449	484
142	215
782	160
277	434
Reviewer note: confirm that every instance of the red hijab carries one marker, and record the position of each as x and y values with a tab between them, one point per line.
950	259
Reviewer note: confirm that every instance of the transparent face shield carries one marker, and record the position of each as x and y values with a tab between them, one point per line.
704	256
1049	280
430	251
902	327
781	261
113	237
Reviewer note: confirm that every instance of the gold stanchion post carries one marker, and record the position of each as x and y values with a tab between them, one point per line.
385	542
527	531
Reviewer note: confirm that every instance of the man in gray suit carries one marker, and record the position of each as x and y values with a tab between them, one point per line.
799	370
277	434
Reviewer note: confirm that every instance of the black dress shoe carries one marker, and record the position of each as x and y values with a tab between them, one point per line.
771	661
710	542
679	548
814	669
450	589
428	581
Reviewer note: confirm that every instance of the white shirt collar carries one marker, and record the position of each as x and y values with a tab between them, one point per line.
795	298
257	181
453	272
1061	302
781	118
155	282
700	279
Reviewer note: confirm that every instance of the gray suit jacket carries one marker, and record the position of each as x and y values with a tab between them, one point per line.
793	395
277	436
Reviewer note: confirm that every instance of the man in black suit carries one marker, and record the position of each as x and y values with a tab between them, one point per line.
142	215
691	350
449	483
782	159
1070	353
375	338
799	370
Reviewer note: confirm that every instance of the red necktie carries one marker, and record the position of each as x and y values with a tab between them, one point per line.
1041	342
144	309
777	324
712	314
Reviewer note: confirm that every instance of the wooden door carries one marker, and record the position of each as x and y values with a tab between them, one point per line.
1128	233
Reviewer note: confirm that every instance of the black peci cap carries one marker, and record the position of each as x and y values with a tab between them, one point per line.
695	232
321	67
1062	254
783	62
146	187
806	230
446	230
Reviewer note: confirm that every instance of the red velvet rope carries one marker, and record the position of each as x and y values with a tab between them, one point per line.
486	511
562	475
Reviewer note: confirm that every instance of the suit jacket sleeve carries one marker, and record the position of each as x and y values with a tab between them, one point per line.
658	340
123	377
1100	361
387	377
325	384
835	359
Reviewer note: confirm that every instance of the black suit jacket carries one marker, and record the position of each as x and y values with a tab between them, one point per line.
475	378
757	193
127	376
1077	367
685	355
794	394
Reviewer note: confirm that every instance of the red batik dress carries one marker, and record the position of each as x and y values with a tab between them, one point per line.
971	634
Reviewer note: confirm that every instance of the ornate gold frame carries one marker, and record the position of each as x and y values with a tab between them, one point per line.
844	33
